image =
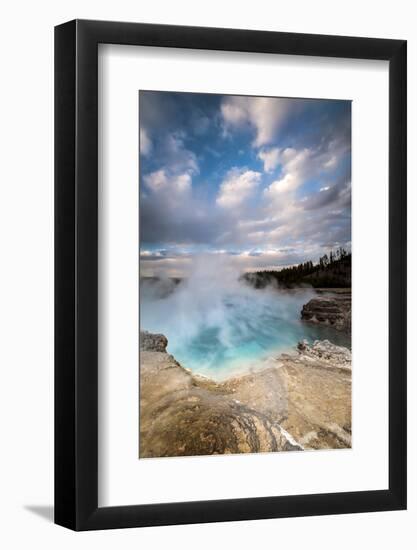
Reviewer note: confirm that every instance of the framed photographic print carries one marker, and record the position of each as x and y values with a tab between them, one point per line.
230	337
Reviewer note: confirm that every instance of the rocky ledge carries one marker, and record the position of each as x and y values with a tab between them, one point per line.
153	342
332	309
329	354
302	400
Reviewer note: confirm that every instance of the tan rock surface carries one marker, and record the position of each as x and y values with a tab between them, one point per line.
302	402
330	308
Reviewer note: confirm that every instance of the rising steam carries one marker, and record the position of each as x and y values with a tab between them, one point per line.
216	322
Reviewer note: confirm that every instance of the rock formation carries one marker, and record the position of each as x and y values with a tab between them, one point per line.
153	342
301	402
332	309
330	354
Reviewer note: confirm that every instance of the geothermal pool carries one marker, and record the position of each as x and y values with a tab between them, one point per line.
221	329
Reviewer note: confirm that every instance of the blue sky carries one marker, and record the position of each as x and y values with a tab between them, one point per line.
264	182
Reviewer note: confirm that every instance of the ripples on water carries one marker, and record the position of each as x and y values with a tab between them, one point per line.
218	332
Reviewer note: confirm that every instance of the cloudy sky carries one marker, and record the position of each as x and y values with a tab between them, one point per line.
264	182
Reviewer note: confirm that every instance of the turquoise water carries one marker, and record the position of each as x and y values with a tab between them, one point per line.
218	333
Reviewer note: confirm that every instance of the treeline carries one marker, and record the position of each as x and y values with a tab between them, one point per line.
331	271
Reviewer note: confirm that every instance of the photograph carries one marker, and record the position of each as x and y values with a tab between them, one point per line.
208	225
245	274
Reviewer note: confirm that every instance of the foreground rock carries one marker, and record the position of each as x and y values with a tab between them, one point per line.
182	414
302	402
328	353
332	309
153	342
319	385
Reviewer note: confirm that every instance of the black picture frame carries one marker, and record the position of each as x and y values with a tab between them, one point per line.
76	272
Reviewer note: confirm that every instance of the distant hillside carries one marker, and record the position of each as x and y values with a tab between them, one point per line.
332	271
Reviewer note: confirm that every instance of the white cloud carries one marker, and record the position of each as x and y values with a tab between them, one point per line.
270	158
331	162
151	254
296	164
288	183
237	187
267	115
177	157
145	143
296	161
160	181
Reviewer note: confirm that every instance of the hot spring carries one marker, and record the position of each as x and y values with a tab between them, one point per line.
218	325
